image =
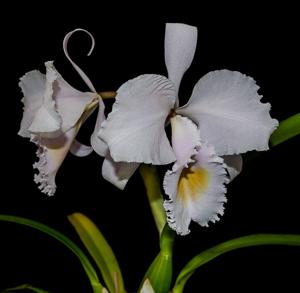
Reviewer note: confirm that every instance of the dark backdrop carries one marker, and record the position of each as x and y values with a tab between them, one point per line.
263	199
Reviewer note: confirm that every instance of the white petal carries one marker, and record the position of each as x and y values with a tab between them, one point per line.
70	103
180	46
51	105
33	88
234	165
134	130
51	153
118	173
147	288
80	150
185	139
99	146
47	120
40	114
196	193
227	108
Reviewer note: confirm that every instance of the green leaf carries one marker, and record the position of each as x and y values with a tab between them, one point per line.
25	287
155	198
87	266
287	129
159	273
100	250
246	241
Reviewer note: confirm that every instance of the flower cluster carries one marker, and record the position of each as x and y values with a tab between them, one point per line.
223	118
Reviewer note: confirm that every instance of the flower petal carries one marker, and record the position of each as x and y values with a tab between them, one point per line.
99	146
51	153
80	150
70	103
180	46
33	88
227	108
118	173
234	165
196	193
40	114
47	120
185	139
51	105
134	130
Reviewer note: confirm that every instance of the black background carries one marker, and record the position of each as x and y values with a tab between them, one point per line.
263	199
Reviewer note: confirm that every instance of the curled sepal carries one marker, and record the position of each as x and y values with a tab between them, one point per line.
159	273
77	68
100	250
245	241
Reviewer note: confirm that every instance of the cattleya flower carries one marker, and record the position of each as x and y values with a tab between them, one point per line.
223	118
53	114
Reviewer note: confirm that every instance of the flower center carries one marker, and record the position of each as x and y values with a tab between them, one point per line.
171	114
192	183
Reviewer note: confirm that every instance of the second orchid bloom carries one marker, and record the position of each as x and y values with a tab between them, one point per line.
224	117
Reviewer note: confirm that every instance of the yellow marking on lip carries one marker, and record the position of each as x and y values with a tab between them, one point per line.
192	183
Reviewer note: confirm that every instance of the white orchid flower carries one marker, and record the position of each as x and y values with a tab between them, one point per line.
224	117
53	114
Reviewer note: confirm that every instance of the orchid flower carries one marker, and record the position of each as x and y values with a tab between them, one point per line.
223	118
53	114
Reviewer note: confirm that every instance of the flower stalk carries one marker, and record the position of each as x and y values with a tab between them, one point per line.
155	198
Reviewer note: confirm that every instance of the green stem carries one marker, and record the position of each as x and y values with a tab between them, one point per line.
287	129
108	94
91	273
152	184
246	241
160	271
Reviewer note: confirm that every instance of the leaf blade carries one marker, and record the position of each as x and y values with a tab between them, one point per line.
160	272
25	287
100	251
241	242
87	266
